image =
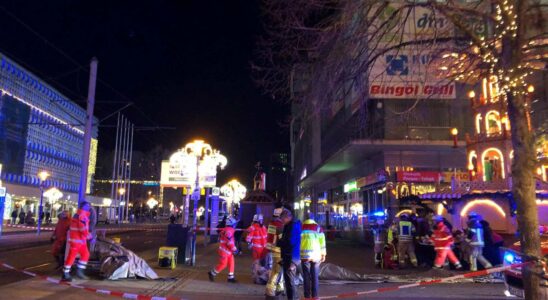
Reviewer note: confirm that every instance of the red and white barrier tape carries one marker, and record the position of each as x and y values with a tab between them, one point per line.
89	289
423	283
107	229
31	227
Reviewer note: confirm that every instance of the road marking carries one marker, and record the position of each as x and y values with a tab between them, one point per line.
38	266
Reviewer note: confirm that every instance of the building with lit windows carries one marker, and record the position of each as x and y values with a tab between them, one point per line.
489	162
40	130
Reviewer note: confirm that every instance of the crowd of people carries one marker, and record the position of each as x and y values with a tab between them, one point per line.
430	241
279	251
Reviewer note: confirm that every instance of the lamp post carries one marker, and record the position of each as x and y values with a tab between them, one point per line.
151	203
121	192
234	191
43	175
454	133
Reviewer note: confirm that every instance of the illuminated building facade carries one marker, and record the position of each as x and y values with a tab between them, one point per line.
489	163
41	130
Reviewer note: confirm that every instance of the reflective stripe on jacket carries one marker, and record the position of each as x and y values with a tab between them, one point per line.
406	230
79	227
312	241
226	243
256	236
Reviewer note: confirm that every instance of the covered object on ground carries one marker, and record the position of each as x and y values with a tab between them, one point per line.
117	262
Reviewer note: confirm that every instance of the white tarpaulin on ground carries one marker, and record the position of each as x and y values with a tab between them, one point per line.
118	262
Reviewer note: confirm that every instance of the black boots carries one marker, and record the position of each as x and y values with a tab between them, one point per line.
80	274
66	277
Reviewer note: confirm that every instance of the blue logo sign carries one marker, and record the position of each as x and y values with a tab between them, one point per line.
397	65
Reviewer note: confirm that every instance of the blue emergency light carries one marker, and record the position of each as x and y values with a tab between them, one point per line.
509	257
378	214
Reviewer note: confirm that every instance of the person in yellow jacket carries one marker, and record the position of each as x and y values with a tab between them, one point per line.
313	253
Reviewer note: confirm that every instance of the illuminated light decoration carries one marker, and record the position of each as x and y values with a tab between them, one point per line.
234	191
53	194
530	88
541	203
440	209
484	89
42	111
350	187
539	171
509	257
404	211
492	115
482	202
500	157
478	123
92	163
296	205
471	156
151	203
454	131
107	201
471	94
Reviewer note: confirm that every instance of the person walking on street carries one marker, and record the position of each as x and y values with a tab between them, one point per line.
443	240
275	284
290	245
59	238
476	239
313	253
256	238
406	231
78	237
226	252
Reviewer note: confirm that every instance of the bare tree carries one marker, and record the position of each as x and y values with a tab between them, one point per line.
333	47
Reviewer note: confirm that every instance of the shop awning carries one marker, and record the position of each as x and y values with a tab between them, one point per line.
358	151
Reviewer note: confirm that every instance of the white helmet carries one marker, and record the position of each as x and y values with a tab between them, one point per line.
258	218
277	212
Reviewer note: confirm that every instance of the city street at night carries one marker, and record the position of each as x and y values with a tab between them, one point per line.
273	149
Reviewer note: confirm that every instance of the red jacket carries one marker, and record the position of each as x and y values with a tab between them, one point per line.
256	236
226	244
442	237
61	229
79	227
275	229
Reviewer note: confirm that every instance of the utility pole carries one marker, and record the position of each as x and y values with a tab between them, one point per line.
113	190
87	131
131	128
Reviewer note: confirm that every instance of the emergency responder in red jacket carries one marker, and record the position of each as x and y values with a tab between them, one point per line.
443	240
78	236
256	238
59	237
226	251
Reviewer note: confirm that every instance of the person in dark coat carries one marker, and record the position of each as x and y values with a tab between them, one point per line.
22	217
13	217
290	246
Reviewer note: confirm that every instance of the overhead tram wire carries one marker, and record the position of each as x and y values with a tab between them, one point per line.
76	63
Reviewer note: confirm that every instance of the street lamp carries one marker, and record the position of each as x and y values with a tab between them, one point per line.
454	133
43	175
234	191
121	192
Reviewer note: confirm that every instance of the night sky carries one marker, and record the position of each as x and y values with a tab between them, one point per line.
185	64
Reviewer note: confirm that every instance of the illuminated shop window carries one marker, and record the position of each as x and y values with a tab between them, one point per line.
493	164
493	126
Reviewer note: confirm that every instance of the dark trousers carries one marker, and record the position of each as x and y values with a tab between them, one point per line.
290	279
311	271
